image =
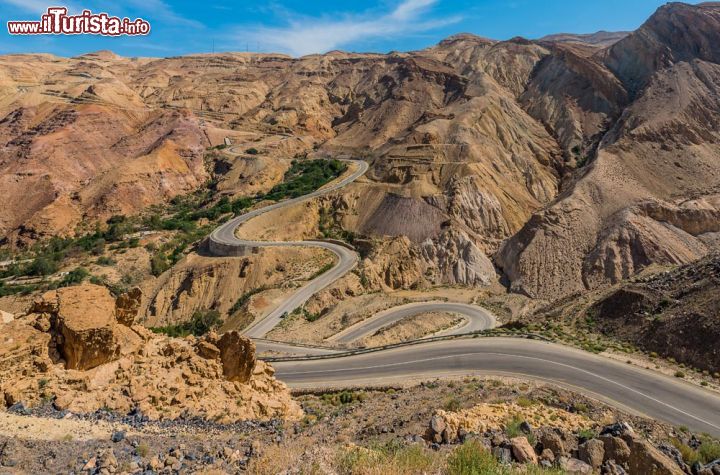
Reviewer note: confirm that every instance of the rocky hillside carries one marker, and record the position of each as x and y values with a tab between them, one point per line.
675	314
79	349
572	162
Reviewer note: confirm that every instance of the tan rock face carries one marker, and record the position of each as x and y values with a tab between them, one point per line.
127	306
237	354
84	321
199	283
645	458
650	193
592	452
88	361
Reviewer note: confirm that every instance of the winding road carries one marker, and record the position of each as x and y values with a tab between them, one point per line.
637	390
476	319
224	242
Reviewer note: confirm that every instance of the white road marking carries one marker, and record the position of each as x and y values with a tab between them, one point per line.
424	360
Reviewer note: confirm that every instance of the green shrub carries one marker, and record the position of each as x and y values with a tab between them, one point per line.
679	374
580	407
74	277
512	429
689	455
452	404
42	266
523	401
105	261
342	398
199	324
311	317
709	450
158	264
472	458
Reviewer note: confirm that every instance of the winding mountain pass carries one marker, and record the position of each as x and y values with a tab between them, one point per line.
633	389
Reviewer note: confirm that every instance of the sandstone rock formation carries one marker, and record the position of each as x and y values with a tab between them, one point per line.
522	450
84	327
87	360
127	306
199	283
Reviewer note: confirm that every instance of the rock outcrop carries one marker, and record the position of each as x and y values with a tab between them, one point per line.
127	307
237	354
673	313
87	360
556	442
83	323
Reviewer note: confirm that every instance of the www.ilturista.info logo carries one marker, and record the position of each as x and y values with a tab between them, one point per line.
57	22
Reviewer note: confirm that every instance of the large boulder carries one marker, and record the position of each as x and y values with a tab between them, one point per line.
237	354
573	466
592	452
552	441
83	318
522	450
616	449
648	460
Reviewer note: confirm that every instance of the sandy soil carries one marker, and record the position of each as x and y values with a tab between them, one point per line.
39	428
412	328
356	309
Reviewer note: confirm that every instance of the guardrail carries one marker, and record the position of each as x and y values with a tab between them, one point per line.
360	351
299	345
337	242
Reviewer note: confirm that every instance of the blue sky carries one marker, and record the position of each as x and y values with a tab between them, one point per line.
299	27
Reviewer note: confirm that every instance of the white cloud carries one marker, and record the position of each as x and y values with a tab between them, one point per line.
158	9
408	9
318	35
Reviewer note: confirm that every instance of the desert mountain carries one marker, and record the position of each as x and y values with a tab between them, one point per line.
650	191
572	161
599	38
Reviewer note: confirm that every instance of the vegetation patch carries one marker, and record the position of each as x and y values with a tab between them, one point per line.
304	177
189	218
199	324
706	452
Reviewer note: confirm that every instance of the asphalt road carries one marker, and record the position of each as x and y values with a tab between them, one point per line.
476	319
640	391
346	258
